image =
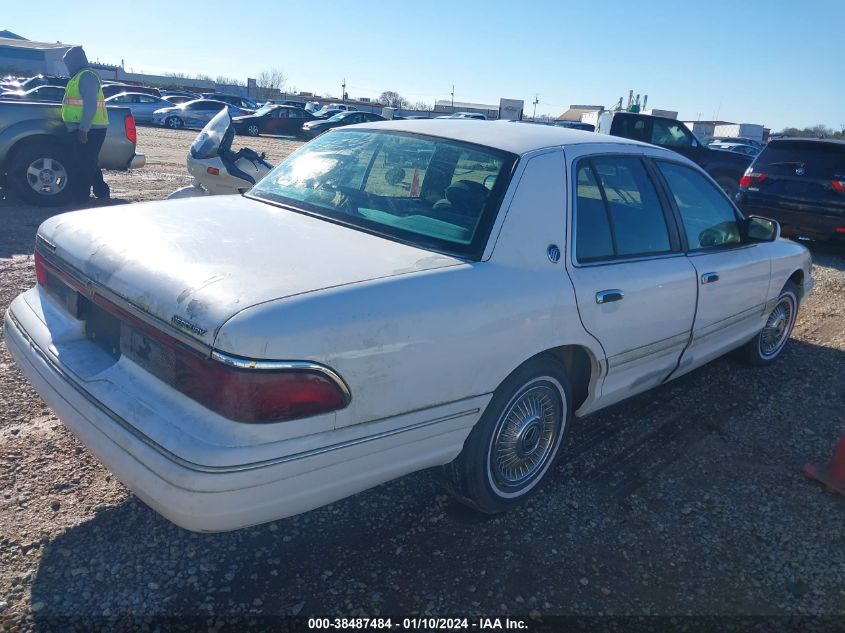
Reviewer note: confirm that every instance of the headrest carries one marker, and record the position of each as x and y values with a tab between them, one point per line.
467	194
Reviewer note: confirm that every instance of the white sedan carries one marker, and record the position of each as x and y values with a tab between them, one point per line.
392	297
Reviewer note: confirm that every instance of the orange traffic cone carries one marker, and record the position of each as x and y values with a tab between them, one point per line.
415	184
833	476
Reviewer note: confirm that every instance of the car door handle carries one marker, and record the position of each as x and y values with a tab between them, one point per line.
606	296
709	278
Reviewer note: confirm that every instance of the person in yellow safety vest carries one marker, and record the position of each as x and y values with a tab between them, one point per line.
86	118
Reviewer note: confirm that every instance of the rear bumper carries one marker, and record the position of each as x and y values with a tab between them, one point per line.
226	491
807	224
138	161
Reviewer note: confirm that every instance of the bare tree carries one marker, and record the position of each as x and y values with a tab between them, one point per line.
229	81
393	99
273	79
420	105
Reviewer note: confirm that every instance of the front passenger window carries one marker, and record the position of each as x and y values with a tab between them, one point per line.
709	219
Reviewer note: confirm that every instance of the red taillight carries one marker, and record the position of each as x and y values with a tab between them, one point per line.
214	171
238	389
752	178
839	229
255	395
40	271
839	185
129	126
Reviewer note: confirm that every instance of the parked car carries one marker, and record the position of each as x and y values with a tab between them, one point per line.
726	168
186	95
141	105
39	93
744	140
326	114
314	128
110	89
34	82
194	113
341	106
739	148
468	115
178	99
236	100
36	163
331	329
280	120
800	183
576	125
293	103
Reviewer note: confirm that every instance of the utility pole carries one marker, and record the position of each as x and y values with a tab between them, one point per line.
343	90
453	97
536	101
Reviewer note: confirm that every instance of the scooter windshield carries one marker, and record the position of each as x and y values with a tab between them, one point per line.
207	143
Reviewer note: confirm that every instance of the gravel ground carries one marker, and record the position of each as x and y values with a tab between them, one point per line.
689	499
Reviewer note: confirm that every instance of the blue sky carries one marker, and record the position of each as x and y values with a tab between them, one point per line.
775	63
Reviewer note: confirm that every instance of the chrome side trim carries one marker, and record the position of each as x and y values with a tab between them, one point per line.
284	365
203	468
714	328
662	346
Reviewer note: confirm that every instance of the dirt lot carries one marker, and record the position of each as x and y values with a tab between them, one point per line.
689	499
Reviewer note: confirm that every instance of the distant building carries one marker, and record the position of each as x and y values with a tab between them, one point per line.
445	106
18	55
704	129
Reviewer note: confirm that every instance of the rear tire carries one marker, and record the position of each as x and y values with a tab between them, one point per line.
42	173
174	122
768	344
516	442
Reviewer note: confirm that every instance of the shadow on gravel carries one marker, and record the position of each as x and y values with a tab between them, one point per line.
830	254
686	499
26	218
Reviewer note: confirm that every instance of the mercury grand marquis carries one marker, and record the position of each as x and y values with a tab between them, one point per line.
394	296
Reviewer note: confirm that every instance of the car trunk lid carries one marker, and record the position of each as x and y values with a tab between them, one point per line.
195	263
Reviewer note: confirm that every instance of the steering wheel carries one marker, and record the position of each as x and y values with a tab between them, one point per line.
345	201
711	237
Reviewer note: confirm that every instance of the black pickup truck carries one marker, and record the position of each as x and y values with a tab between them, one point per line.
726	168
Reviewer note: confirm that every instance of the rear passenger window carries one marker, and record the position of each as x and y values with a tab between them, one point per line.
617	211
709	219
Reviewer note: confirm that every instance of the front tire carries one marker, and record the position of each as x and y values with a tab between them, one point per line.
517	440
252	129
768	344
174	123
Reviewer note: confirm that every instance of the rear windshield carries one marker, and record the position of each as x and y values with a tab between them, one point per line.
434	193
817	159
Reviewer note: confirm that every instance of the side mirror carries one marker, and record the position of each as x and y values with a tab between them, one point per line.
759	229
694	143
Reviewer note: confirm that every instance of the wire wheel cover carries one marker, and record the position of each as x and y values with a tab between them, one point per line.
777	328
525	437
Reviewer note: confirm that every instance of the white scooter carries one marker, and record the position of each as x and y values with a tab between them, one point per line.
216	169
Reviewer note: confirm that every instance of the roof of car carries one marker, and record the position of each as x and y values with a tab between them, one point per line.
124	94
790	139
517	138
